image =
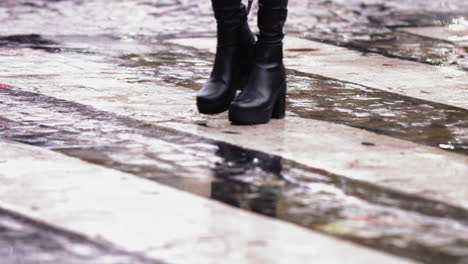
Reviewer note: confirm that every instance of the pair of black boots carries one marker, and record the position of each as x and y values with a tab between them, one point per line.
255	68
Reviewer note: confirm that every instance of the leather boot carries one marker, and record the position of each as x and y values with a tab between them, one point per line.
264	96
234	56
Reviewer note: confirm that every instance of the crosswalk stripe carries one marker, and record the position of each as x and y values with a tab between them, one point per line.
437	84
457	34
156	221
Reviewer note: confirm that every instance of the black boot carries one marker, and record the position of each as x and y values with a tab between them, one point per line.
264	96
233	60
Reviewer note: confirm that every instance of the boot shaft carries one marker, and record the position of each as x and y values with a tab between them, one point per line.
272	16
229	14
232	26
266	53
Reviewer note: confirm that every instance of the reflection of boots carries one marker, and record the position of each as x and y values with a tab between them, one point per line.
265	93
234	56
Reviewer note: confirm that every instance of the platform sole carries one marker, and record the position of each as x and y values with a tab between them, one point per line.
253	116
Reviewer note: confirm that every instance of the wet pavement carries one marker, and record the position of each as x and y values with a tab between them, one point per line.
309	96
154	220
108	41
322	98
367	26
375	27
26	242
408	226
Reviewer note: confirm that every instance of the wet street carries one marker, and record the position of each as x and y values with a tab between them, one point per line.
105	159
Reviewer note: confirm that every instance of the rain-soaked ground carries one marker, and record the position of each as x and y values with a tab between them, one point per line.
365	25
416	228
318	97
310	96
116	33
26	242
374	26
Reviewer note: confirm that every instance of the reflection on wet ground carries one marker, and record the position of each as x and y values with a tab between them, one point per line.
416	228
322	98
25	242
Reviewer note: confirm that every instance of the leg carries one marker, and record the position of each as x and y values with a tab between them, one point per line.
233	57
265	93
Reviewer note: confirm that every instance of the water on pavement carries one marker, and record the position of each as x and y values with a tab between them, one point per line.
25	242
404	225
49	43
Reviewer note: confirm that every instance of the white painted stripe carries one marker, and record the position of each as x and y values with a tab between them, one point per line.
437	84
160	222
457	33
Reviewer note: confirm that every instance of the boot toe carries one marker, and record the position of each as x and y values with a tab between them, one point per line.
214	98
212	90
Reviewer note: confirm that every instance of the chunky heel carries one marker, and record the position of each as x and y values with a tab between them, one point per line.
264	96
279	110
234	54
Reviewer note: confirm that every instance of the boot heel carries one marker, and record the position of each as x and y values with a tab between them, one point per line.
279	109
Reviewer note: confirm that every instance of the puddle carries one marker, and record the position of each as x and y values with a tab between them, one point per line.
416	228
26	242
